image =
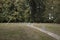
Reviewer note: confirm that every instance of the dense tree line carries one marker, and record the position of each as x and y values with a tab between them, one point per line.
52	8
38	11
37	8
14	11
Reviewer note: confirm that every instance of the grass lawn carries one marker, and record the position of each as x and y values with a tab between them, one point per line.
19	31
55	28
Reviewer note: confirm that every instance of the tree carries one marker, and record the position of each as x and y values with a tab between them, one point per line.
14	11
37	8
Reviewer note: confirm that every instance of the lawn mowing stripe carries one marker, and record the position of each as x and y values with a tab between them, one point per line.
44	31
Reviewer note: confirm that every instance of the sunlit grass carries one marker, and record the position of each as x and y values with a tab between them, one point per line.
19	31
55	28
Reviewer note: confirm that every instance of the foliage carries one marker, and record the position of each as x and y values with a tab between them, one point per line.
30	11
14	10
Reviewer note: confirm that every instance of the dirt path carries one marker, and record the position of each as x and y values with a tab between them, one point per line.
45	31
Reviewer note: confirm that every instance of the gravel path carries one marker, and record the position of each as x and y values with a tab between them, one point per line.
45	31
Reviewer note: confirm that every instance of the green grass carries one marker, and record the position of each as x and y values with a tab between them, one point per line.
19	31
55	28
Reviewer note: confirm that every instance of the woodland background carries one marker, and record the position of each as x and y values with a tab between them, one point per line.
19	11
